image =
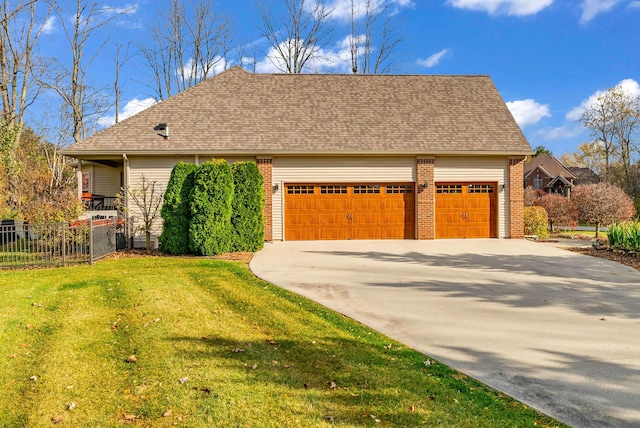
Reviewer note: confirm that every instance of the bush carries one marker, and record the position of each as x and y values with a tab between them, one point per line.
625	235
602	204
210	231
536	222
176	211
560	210
247	218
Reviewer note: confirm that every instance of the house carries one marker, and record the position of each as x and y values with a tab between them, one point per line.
546	173
583	175
343	156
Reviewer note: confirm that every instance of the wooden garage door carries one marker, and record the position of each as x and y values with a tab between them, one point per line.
349	211
466	210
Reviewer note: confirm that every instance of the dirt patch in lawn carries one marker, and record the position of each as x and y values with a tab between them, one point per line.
239	256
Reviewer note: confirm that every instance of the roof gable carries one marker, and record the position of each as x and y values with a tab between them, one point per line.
240	112
549	164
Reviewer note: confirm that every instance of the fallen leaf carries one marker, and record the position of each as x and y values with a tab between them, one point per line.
132	359
255	366
33	378
236	350
271	342
330	418
203	389
603	319
205	338
28	326
388	346
428	362
36	305
305	386
71	406
332	385
57	419
129	418
411	408
12	355
184	379
167	413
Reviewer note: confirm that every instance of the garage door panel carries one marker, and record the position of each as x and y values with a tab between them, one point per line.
466	210
349	211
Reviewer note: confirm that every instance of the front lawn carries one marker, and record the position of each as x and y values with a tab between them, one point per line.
194	342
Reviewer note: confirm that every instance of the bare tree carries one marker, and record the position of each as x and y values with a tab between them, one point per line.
119	60
296	35
602	204
374	38
82	102
19	33
144	200
187	49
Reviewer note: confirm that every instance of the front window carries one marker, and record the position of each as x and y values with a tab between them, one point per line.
537	183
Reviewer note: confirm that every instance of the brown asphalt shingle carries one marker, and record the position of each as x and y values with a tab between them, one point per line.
240	112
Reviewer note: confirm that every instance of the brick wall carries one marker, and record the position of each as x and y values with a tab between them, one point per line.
425	188
516	198
265	165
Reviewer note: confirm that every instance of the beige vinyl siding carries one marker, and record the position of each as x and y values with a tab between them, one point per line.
106	180
334	170
465	169
229	159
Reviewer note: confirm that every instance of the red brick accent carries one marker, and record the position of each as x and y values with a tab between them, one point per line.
265	165
516	198
425	188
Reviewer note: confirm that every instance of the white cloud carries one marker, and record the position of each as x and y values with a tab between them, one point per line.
528	112
565	131
506	7
341	9
591	8
634	5
132	107
629	86
434	59
49	26
217	66
129	9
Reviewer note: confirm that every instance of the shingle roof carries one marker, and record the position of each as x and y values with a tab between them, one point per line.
240	112
548	163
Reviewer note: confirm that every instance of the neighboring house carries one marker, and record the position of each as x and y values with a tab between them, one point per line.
544	172
343	156
583	175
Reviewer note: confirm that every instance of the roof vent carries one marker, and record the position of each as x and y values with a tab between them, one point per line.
164	128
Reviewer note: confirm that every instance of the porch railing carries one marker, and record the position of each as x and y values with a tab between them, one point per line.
59	244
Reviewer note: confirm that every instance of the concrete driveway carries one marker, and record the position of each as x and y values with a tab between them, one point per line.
552	328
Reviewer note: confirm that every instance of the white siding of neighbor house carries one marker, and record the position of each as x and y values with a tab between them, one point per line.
334	170
465	169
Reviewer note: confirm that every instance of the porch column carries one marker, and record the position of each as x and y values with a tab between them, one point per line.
425	200
79	178
515	193
265	165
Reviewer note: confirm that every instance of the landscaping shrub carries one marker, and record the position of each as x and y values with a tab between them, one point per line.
560	209
176	212
536	222
210	231
625	235
247	218
602	204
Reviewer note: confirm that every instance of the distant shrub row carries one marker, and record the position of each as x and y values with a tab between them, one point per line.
213	209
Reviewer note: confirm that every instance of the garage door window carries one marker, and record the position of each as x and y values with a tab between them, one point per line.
300	190
480	188
359	190
449	188
399	189
333	190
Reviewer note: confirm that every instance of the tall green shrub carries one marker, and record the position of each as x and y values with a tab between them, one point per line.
248	207
211	199
176	212
536	222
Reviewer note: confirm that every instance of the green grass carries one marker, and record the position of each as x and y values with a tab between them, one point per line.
74	328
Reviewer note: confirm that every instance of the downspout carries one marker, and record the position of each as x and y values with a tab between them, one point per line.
125	183
79	178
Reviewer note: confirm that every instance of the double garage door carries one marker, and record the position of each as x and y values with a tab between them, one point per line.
386	211
349	211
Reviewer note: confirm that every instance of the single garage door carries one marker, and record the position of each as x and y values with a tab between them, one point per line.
349	211
466	210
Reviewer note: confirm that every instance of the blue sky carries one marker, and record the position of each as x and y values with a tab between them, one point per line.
548	58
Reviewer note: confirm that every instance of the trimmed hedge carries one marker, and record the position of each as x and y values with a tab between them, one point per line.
247	219
536	222
176	211
210	230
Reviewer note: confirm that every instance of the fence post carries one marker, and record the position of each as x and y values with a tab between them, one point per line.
91	240
64	245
